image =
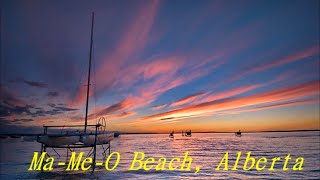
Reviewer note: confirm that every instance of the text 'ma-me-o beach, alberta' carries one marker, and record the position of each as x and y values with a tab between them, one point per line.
159	89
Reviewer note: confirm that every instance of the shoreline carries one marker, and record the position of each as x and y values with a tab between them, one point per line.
205	132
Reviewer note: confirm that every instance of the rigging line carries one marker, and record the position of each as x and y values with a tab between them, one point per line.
88	84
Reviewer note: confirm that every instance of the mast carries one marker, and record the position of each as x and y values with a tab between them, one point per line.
89	72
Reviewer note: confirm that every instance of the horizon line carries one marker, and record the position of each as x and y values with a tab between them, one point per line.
197	132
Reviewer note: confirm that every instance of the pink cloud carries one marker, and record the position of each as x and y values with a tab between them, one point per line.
132	42
156	108
162	66
166	77
121	106
80	97
230	93
121	69
10	97
288	93
277	105
296	56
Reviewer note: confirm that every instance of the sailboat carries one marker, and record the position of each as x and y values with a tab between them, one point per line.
171	135
79	138
188	133
238	134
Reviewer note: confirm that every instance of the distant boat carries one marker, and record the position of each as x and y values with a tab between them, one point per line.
171	135
238	134
182	133
188	133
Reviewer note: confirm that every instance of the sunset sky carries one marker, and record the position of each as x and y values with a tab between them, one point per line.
161	65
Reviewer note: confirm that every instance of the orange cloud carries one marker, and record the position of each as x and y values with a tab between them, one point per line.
277	105
288	93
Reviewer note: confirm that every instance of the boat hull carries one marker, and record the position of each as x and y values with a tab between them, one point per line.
58	140
89	140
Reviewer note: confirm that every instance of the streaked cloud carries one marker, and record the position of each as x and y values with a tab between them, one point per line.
187	99
158	107
276	105
151	57
131	43
122	105
288	93
230	93
126	114
10	97
293	57
296	56
30	83
53	94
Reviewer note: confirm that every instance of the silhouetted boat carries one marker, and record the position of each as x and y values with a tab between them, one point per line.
188	133
171	135
116	134
238	134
